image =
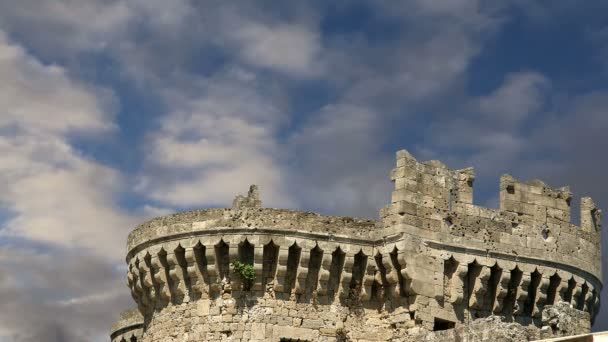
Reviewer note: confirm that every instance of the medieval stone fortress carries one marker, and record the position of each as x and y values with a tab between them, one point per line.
435	267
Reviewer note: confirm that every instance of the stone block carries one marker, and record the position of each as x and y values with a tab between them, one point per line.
294	333
258	331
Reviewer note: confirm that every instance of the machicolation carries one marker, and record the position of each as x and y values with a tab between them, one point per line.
435	267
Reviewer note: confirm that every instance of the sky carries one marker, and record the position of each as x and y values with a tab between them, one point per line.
116	111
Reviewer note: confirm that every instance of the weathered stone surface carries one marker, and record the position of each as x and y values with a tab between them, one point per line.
434	261
562	319
129	327
491	329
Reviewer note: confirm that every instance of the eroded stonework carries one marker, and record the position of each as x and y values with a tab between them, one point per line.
434	267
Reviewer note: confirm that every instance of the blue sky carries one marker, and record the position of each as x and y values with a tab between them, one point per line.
115	111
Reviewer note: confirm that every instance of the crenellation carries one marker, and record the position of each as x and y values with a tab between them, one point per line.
129	328
591	216
434	259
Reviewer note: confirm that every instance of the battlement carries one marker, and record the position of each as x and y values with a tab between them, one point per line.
435	260
128	328
530	233
431	196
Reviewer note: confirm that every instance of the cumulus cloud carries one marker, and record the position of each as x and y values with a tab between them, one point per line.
520	95
62	230
50	190
338	164
57	295
63	27
213	146
290	48
233	86
42	98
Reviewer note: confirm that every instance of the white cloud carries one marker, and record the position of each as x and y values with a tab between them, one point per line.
291	48
63	27
42	98
51	192
211	147
340	167
520	95
57	296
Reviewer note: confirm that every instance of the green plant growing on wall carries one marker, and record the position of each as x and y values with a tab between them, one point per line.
246	272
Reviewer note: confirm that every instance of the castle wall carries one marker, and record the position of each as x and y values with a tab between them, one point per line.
248	317
434	261
128	328
309	285
468	262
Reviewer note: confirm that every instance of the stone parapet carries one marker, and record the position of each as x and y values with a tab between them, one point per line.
128	328
212	221
435	261
474	262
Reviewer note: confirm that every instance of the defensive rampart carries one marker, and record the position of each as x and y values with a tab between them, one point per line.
128	328
471	262
434	261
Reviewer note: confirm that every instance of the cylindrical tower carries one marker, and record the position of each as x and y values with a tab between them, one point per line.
309	269
433	262
128	328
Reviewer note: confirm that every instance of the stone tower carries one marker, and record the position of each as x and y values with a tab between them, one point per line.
435	267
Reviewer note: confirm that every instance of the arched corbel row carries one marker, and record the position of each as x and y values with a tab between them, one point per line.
194	268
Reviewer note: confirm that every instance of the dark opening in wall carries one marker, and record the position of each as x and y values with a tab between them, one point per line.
246	252
314	265
223	259
180	255
293	260
269	266
495	276
358	272
377	291
594	219
449	267
474	269
380	290
580	301
441	324
554	282
402	282
511	189
448	221
452	198
545	232
535	279
591	306
335	272
510	299
570	290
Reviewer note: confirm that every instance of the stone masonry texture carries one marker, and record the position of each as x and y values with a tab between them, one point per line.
434	267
